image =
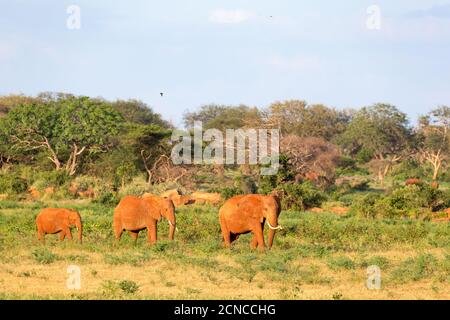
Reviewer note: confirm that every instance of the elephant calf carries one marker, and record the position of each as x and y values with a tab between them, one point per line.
135	214
58	220
248	213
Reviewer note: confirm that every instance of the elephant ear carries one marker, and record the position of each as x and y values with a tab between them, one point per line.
153	205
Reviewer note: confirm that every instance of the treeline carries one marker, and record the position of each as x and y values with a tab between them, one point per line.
55	138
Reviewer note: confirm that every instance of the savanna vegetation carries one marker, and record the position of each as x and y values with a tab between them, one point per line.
358	188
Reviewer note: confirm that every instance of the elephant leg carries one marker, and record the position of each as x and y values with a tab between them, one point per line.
226	237
68	234
254	242
134	235
117	230
152	234
41	236
259	235
226	234
62	235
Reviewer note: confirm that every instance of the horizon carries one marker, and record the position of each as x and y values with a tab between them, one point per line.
217	52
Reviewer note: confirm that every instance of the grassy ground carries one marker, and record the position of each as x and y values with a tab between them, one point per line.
316	256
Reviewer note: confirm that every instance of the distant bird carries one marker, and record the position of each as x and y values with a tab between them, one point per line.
270	16
161	93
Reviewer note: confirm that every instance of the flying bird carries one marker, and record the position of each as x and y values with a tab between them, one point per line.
161	93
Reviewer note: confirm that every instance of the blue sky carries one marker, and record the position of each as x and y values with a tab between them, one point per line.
230	52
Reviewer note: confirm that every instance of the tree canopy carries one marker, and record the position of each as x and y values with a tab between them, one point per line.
64	128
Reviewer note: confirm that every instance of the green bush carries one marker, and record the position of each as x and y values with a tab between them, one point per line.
227	192
46	179
246	184
267	184
137	187
407	201
413	269
347	166
128	287
107	198
408	169
364	155
12	184
365	206
44	256
295	196
84	183
340	262
414	196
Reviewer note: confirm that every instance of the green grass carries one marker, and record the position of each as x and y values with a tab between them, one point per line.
44	256
340	244
423	266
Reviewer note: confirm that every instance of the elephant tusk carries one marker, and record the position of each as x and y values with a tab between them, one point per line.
170	223
274	228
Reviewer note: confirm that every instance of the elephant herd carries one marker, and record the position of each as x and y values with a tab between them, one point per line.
239	215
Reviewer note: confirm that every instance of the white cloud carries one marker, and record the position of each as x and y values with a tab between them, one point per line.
222	16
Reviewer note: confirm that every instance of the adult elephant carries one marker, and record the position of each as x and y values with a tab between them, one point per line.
248	213
58	220
134	214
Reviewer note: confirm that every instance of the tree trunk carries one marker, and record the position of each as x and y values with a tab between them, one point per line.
71	165
436	168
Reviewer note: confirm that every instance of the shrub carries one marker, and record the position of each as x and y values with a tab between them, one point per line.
408	169
12	184
84	183
341	262
44	256
246	184
414	196
228	192
128	287
365	206
296	196
267	184
137	187
47	179
347	166
242	185
359	183
408	201
414	269
106	198
378	261
364	155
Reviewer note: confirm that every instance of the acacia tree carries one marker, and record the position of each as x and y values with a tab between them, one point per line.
383	131
64	129
304	120
434	131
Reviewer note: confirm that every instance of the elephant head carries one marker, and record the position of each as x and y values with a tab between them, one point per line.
163	208
75	220
271	211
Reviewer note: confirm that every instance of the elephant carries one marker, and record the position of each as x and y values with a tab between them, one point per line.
134	214
248	213
58	220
